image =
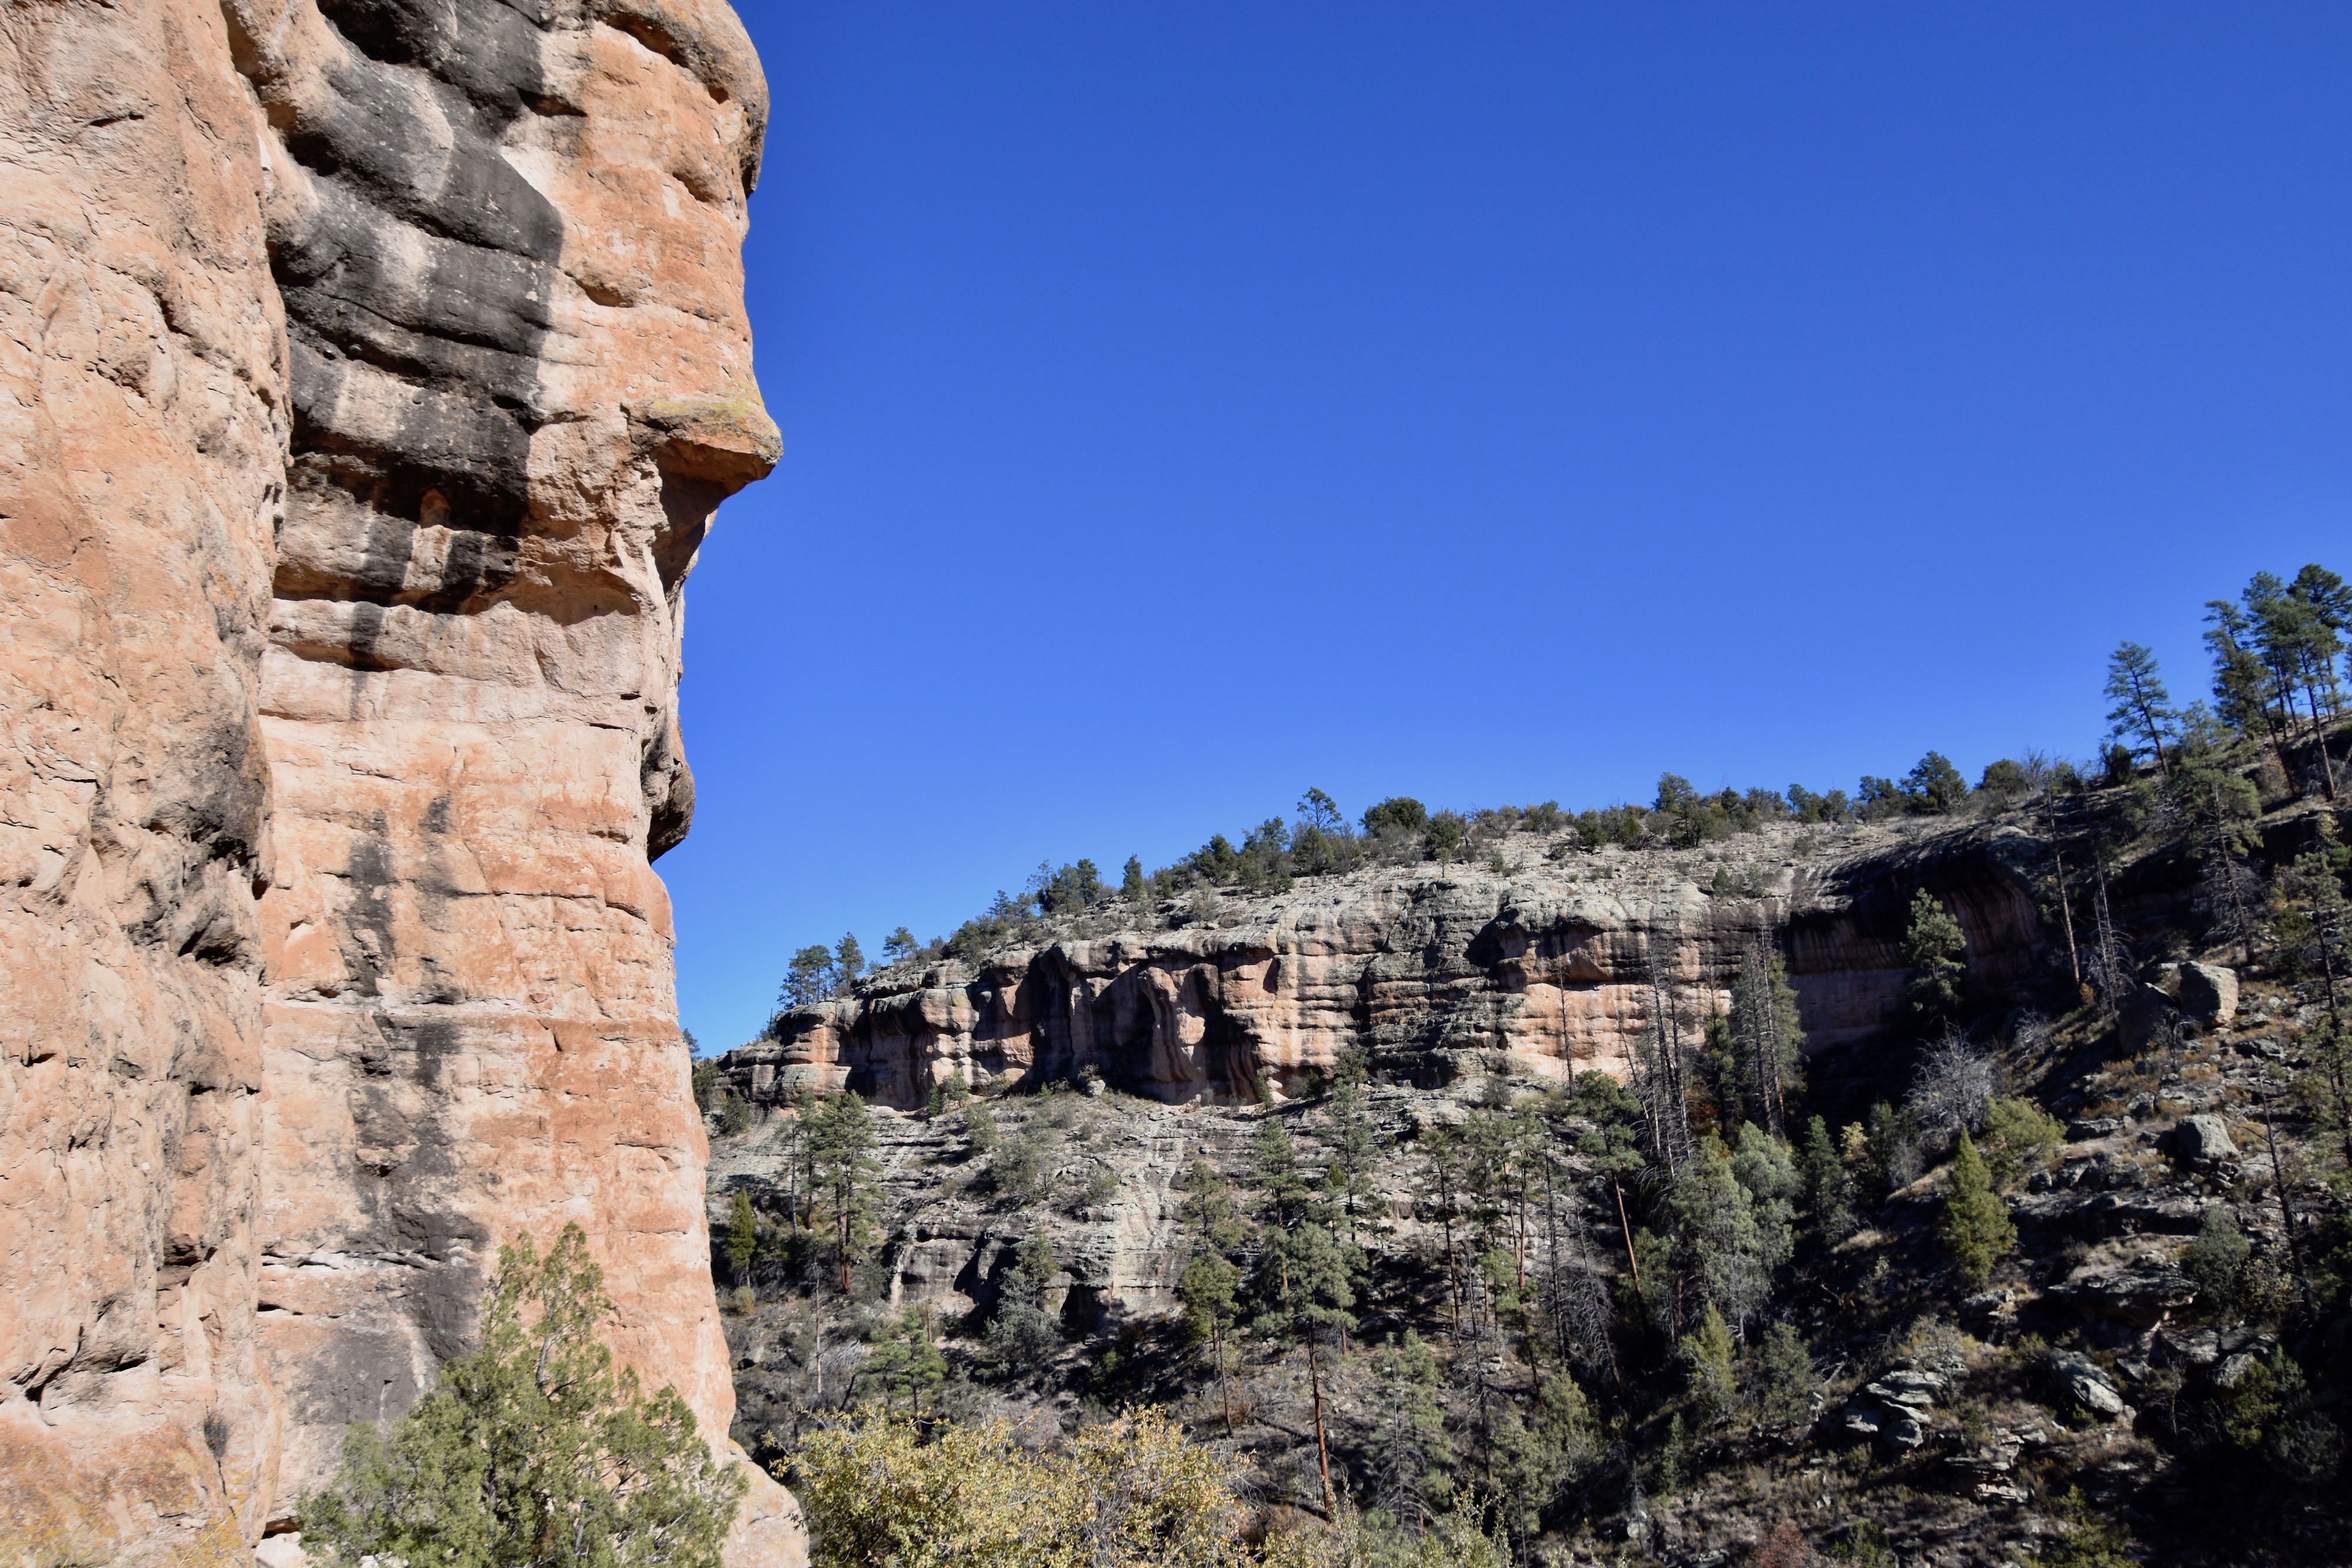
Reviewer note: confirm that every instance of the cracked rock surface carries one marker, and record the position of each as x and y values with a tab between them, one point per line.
375	367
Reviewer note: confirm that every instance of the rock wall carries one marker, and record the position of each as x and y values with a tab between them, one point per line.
1434	971
376	368
142	432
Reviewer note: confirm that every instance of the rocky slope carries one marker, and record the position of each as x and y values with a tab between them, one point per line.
375	369
1441	975
2098	1382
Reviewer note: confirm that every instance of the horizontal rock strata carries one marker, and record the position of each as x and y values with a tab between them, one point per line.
1550	968
376	368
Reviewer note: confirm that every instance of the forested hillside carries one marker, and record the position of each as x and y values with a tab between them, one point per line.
1944	1172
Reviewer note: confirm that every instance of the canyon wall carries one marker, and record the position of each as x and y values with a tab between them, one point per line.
376	368
1435	972
142	435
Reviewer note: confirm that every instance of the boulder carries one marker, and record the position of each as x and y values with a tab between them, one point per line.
1986	1304
1907	1386
1996	1456
2209	993
1903	1428
2118	1173
2203	1140
2144	1013
2142	1291
2081	1379
1896	1425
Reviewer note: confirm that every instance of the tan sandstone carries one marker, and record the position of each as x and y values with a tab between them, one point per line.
373	374
1546	968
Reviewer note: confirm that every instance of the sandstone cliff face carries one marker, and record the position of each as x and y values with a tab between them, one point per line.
377	366
1435	972
143	430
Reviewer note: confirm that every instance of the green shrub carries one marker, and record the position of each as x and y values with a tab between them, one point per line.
734	1114
2215	1262
1788	1383
1975	1229
532	1450
1397	814
1707	1360
1127	1492
1016	1165
2020	1138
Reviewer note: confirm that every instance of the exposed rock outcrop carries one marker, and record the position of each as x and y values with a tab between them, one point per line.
376	367
1434	971
143	432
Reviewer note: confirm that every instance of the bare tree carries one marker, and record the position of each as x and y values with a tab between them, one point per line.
1951	1089
1661	1078
1765	1035
2109	967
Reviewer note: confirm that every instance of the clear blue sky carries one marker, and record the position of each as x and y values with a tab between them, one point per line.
1186	404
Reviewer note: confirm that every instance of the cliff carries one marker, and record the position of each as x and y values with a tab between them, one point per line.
374	370
1543	968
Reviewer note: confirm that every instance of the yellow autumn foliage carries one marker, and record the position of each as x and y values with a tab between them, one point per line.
1131	1493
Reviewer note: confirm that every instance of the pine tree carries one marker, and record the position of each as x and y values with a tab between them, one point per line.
2289	635
2221	809
1022	1333
1437	1192
1209	1283
1761	1164
2316	921
1660	1075
1610	1148
840	1143
1352	1141
1305	1294
1302	1282
906	1362
2143	708
742	1232
1976	1228
1707	1360
848	962
1208	1288
809	979
1410	1457
1934	786
1785	1370
533	1451
1286	1196
979	1126
2241	686
1936	949
1718	1249
1828	1192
